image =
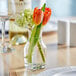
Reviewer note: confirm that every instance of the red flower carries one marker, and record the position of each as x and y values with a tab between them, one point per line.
37	16
47	15
40	16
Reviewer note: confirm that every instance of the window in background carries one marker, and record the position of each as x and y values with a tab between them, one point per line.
60	8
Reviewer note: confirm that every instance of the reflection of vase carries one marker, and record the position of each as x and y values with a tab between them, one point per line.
38	57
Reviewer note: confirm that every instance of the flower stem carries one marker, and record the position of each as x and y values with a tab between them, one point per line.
33	40
41	51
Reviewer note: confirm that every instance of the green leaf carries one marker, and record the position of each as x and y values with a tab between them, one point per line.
43	8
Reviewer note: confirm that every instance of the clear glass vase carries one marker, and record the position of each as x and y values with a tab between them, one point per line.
38	56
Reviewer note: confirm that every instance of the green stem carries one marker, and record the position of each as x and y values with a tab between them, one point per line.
33	40
41	51
30	50
30	55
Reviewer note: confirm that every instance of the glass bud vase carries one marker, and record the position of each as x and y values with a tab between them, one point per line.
38	55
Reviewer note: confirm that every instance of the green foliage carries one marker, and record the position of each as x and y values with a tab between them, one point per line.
25	18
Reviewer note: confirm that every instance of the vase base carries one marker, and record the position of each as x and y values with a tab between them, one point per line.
34	67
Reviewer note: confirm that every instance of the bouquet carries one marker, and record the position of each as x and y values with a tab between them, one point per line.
35	20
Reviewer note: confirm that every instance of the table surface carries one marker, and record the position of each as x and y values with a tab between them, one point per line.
57	56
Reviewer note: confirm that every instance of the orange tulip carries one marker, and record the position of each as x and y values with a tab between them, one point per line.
47	15
37	16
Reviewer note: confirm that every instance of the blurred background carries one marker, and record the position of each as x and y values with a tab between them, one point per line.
60	9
